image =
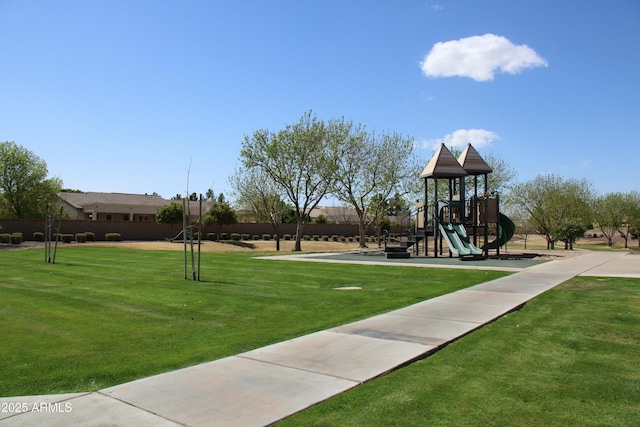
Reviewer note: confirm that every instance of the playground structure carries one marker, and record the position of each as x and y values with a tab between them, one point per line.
464	224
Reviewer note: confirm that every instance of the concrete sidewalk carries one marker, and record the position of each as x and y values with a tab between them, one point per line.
265	385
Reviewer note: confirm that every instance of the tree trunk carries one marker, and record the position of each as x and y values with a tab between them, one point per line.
299	227
362	234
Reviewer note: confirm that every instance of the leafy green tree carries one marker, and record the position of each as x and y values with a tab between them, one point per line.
169	214
559	209
256	192
220	213
523	224
630	209
25	190
320	219
298	159
370	167
608	215
502	174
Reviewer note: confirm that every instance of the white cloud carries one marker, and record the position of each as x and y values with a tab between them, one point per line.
479	138
585	163
479	57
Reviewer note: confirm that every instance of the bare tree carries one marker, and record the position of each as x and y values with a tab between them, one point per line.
257	192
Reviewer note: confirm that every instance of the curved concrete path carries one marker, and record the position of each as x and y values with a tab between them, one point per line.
265	385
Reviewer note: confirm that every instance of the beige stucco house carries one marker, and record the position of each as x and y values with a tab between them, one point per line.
118	206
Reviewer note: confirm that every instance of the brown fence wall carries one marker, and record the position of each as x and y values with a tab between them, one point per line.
149	231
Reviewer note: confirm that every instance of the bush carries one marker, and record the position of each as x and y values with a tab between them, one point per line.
81	237
315	237
223	236
255	237
335	238
287	237
245	236
211	236
67	238
112	237
15	238
5	238
306	237
38	236
235	236
266	236
91	236
343	239
325	238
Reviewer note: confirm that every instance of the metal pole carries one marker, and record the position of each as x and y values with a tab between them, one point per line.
436	219
184	235
55	246
199	235
46	234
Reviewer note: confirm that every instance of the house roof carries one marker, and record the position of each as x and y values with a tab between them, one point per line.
472	162
78	200
443	165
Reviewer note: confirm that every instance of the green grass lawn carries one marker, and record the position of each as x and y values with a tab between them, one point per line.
104	316
570	357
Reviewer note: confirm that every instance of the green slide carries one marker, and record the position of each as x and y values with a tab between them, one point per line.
464	238
453	240
506	229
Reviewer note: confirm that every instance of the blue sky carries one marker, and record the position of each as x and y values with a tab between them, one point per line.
122	96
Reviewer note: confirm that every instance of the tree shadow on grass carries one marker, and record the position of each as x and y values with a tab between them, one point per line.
239	244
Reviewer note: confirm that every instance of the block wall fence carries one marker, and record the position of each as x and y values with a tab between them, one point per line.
150	231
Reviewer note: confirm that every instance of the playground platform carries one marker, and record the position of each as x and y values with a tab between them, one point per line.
265	385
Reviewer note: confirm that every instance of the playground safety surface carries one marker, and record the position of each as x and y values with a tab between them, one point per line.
265	385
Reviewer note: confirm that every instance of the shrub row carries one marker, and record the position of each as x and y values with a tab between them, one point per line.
13	238
306	237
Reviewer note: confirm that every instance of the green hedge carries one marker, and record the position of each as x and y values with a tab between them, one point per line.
112	237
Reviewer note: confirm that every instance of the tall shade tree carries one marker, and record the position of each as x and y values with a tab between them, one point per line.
297	158
25	190
169	214
608	215
631	216
502	174
257	193
370	168
559	209
220	213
